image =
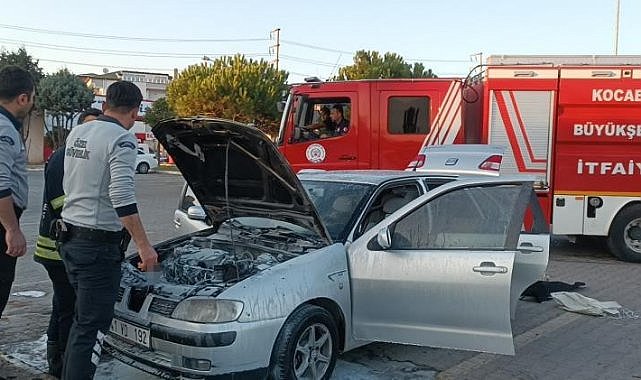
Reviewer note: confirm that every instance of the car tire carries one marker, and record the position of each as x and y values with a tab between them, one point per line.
624	239
143	168
307	345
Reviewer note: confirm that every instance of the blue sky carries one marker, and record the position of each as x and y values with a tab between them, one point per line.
442	34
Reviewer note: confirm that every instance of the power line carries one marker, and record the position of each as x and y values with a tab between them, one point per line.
127	38
316	47
437	60
103	65
306	60
121	52
210	40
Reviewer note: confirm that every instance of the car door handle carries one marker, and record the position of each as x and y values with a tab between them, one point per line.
177	222
488	268
347	157
529	248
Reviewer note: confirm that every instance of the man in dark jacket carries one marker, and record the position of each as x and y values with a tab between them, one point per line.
17	95
46	253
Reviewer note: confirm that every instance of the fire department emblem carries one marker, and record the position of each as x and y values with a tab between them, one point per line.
315	153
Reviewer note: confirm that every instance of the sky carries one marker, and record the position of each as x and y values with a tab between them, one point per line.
316	38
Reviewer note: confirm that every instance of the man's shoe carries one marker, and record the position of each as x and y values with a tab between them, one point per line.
54	359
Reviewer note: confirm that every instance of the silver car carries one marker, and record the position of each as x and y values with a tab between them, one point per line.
293	272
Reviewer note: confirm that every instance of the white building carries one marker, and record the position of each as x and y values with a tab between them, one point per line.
152	85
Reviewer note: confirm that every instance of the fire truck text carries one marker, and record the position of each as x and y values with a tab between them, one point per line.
612	168
617	95
609	129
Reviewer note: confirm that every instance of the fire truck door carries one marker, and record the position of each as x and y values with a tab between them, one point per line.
522	121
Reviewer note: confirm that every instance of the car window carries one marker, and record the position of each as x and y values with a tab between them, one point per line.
534	222
338	204
188	199
469	218
433	183
386	202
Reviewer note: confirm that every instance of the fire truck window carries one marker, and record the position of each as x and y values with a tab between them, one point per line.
319	119
408	115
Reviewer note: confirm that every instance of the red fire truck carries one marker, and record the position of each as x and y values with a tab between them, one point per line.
574	122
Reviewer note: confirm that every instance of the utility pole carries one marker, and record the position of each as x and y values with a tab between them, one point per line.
616	29
276	33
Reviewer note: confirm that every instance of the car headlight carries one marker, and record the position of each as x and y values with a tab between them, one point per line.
208	310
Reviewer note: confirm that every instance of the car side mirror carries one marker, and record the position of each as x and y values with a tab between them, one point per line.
384	239
196	213
280	106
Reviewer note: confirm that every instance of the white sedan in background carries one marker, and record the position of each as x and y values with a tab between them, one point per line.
145	162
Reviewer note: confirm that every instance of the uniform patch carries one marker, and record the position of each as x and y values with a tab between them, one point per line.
8	140
127	144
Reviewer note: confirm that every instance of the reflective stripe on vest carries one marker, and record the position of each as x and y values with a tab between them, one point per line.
46	249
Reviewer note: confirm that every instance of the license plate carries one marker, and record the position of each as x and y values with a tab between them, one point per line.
130	332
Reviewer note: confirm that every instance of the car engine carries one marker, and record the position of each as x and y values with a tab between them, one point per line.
219	260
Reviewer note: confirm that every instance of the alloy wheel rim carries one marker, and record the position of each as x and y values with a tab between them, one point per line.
313	353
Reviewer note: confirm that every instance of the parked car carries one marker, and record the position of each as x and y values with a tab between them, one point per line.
145	162
478	159
293	272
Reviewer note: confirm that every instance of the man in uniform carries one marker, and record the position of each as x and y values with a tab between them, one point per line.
46	253
99	199
341	125
17	94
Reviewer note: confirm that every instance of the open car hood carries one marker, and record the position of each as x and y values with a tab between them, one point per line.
236	171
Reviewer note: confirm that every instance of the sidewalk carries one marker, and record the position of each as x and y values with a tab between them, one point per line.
11	369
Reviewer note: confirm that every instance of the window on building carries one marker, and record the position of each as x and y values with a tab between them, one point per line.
408	115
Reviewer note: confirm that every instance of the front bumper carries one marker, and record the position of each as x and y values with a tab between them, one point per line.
227	349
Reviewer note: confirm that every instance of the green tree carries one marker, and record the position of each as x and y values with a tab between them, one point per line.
160	110
233	88
22	59
371	65
62	96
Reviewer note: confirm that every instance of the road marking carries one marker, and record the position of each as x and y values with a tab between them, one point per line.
467	366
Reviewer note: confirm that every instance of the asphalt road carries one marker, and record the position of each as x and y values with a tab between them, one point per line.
550	343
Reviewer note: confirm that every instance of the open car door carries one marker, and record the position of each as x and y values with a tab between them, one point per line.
438	272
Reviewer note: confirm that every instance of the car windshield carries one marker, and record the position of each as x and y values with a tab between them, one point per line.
338	204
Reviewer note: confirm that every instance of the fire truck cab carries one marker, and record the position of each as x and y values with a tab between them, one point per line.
388	122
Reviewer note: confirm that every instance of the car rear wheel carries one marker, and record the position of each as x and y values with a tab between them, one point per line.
143	168
307	346
624	239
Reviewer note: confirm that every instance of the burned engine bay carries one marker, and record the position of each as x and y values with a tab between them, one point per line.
206	263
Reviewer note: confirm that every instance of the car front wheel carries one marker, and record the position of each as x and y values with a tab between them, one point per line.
307	346
143	168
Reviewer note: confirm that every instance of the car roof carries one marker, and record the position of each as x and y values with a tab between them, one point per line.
377	177
372	177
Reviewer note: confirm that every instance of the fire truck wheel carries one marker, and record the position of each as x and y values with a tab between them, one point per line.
624	239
